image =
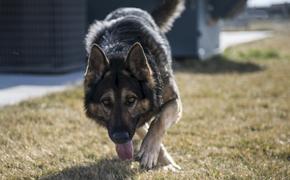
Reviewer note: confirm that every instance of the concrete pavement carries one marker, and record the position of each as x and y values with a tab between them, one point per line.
18	87
228	39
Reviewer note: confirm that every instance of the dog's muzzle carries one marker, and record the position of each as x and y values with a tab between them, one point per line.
124	145
120	137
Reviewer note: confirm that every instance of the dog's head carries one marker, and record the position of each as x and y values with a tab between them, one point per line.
118	91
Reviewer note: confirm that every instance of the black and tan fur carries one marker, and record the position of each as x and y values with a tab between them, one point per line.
129	83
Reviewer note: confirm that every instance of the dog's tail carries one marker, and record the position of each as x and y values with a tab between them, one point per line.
166	13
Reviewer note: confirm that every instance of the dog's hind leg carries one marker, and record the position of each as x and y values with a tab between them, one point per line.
152	151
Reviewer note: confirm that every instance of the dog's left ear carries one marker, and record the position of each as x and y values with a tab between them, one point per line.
97	63
137	63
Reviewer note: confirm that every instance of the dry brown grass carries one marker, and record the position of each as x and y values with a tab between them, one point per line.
260	25
236	125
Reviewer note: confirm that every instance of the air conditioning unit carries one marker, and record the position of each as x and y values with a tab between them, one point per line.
42	36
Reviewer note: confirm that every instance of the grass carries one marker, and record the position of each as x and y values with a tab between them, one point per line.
260	25
259	54
236	125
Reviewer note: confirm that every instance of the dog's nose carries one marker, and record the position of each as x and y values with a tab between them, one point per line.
120	137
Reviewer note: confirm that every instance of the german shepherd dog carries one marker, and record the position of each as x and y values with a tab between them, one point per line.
129	84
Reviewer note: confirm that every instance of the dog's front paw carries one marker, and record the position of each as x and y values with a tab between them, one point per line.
171	167
149	152
166	161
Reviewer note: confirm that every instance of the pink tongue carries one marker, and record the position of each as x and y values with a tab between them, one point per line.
125	151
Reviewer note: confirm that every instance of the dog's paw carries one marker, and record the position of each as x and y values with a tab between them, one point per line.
171	167
149	152
166	161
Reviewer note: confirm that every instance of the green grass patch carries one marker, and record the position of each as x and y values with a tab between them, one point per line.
259	54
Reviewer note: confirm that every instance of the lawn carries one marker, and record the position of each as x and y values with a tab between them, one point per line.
235	125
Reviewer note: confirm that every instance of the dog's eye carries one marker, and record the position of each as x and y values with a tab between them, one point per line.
131	100
106	101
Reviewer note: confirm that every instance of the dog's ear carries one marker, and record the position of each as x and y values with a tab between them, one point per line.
97	63
137	63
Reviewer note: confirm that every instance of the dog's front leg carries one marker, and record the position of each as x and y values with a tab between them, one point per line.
151	145
164	158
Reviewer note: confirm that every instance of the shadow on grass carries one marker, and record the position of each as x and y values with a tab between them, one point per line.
104	169
216	65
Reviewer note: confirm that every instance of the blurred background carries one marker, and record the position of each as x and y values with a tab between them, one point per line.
46	38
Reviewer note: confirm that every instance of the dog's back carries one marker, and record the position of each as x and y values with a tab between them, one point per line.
121	29
125	26
161	18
